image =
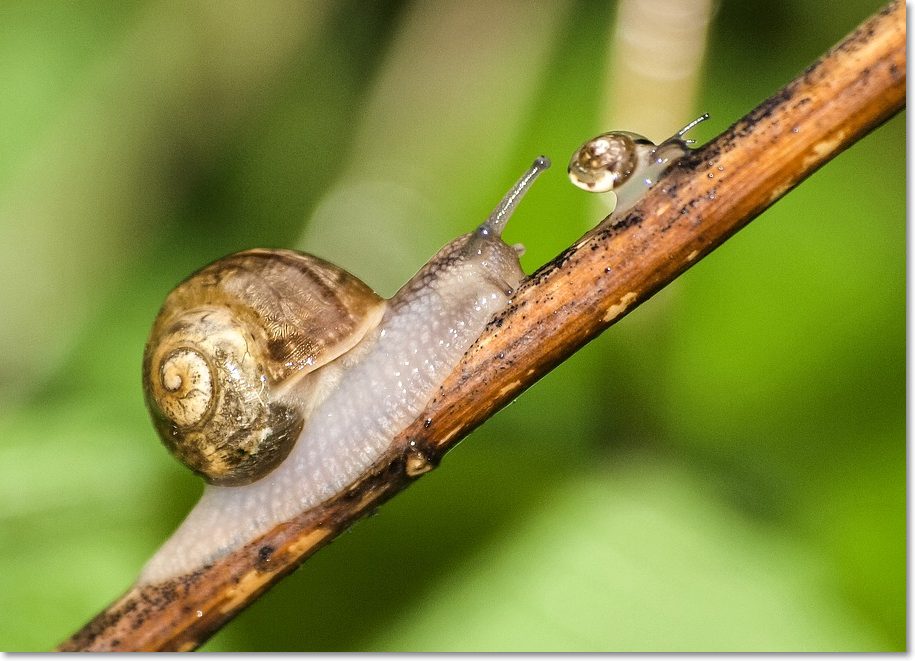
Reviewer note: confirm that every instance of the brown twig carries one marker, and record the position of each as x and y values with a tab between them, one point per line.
707	197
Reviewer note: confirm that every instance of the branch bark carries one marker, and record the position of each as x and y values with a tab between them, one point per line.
704	199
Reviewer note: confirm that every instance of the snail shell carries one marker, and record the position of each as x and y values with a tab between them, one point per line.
226	371
609	160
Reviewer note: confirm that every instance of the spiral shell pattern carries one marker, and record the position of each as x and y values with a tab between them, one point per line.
607	161
229	371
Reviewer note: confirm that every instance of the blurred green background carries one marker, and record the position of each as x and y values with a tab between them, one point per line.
723	470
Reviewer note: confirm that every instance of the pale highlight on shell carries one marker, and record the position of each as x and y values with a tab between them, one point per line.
187	382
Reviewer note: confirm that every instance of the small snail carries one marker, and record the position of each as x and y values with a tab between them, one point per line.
626	163
280	378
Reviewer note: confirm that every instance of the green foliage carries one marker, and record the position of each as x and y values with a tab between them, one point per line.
724	470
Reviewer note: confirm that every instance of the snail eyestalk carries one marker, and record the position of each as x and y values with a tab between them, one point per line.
497	220
678	137
686	129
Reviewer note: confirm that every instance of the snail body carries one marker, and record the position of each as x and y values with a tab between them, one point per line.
341	402
625	163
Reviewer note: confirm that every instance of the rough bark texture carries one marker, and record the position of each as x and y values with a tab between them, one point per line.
707	197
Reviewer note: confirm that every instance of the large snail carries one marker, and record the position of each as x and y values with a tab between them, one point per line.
280	378
626	163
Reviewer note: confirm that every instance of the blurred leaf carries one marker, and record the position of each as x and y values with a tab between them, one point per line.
623	560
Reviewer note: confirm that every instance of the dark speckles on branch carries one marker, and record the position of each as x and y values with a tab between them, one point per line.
264	553
628	220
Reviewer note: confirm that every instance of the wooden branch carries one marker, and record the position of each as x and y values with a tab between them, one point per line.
705	199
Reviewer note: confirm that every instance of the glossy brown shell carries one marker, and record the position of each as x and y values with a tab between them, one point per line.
607	161
227	371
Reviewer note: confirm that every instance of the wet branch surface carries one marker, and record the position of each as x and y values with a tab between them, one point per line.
704	199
